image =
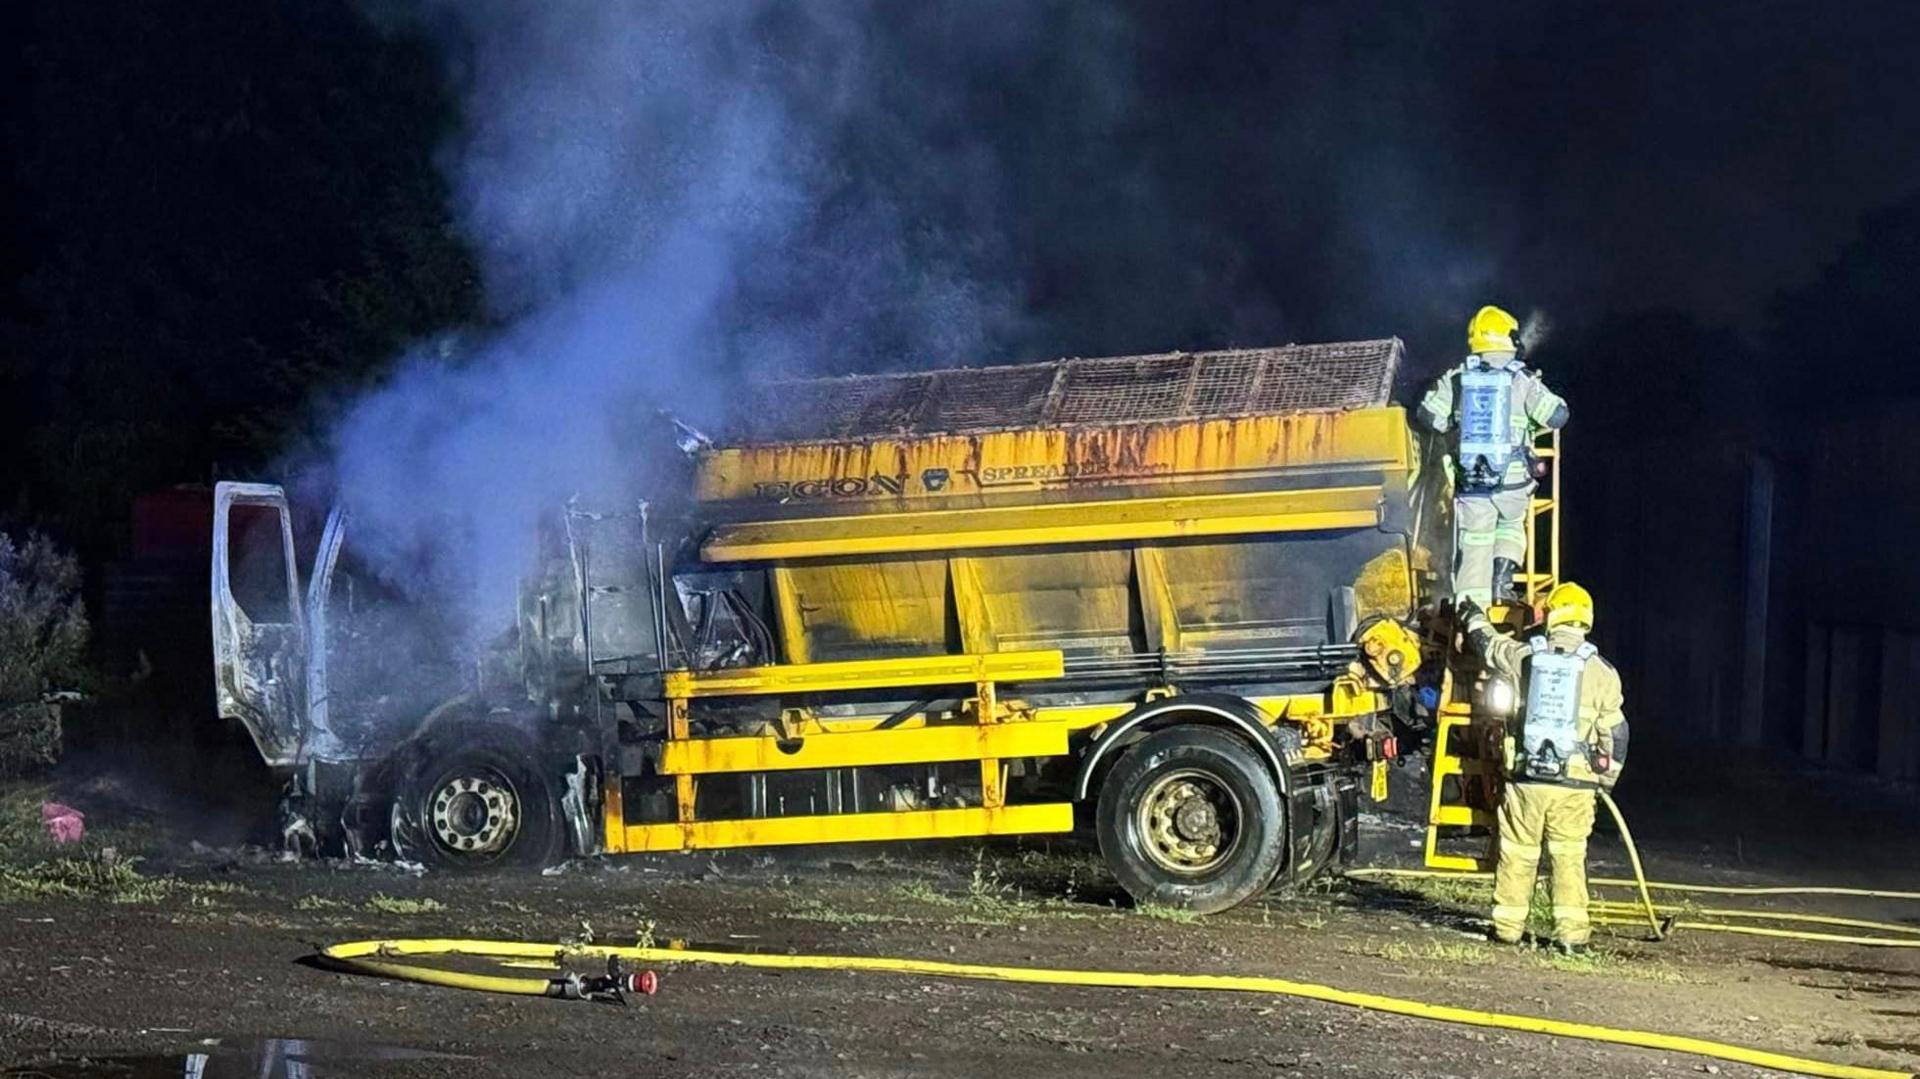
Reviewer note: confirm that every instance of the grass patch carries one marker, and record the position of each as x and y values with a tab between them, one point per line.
20	827
33	866
320	902
1061	872
1462	953
92	875
921	891
1474	895
1168	914
1475	898
388	904
813	910
101	873
1613	966
990	898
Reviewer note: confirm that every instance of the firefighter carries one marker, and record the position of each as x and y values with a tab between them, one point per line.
1568	740
1495	406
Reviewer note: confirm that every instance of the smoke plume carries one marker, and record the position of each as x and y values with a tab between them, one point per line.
669	198
664	201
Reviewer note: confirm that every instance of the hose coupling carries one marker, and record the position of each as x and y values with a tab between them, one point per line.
609	988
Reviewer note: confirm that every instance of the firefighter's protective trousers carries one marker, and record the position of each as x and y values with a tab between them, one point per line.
1486	527
1554	819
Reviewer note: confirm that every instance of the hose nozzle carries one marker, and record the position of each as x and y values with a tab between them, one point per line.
609	988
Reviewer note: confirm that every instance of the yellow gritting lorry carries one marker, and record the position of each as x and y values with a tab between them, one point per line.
1162	598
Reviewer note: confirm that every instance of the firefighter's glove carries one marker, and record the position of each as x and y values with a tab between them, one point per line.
1474	624
1605	770
1466	611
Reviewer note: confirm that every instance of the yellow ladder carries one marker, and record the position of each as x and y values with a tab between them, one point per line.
1461	754
1543	524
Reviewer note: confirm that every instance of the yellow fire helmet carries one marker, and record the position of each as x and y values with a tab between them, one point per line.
1569	605
1491	330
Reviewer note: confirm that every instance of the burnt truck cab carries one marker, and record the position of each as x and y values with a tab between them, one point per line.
1163	599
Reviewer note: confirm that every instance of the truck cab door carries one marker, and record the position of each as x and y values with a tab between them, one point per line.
261	644
321	741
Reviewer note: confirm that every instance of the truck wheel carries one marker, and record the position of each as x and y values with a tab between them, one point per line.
483	804
1191	817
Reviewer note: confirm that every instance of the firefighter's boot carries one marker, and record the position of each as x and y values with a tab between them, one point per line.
1503	571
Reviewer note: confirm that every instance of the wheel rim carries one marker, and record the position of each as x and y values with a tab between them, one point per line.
1189	822
474	813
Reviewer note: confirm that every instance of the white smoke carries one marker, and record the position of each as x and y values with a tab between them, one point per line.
1535	329
654	194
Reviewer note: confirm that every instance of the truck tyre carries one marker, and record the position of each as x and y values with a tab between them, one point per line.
483	802
1191	817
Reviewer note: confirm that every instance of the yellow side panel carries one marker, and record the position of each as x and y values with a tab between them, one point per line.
863	674
970	607
1060	598
792	620
1245	594
852	827
954	742
885	607
1159	614
884	474
1104	521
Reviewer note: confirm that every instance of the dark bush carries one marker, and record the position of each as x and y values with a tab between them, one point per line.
43	641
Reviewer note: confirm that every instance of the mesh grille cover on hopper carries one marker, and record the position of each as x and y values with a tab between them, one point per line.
1110	390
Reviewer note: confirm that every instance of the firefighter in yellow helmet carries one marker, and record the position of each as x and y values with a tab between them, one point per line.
1493	406
1567	738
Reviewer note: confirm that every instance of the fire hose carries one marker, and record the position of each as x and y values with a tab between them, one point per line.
379	957
376	957
385	958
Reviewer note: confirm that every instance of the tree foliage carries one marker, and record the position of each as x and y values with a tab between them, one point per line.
43	642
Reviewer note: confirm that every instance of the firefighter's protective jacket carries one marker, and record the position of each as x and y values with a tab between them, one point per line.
1534	408
1603	723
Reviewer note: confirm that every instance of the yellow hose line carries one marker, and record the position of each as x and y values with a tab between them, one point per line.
1764	915
452	979
1749	889
1618	911
1658	886
359	955
1763	931
1639	874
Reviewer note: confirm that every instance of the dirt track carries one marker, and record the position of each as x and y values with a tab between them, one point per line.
92	988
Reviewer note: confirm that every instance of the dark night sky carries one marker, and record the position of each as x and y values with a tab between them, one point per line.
1699	156
224	217
1582	157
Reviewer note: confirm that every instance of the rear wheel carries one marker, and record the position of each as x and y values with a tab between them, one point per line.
1191	817
482	803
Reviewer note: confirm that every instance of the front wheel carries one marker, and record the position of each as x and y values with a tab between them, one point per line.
1191	817
480	804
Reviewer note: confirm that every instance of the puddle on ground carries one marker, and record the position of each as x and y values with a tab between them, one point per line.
273	1058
